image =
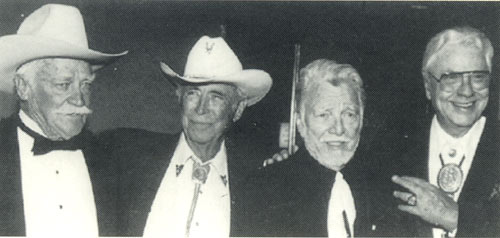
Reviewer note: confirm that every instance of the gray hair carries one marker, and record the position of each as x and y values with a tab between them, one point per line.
458	36
30	70
324	70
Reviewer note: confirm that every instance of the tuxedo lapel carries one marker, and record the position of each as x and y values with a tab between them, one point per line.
479	182
11	197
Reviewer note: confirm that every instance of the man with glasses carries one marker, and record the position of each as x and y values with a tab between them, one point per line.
452	165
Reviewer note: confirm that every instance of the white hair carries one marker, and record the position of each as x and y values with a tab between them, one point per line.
328	71
29	70
457	36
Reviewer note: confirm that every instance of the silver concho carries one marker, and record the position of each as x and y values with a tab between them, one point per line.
450	178
200	173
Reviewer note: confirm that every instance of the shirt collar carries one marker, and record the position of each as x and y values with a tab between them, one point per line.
444	139
30	123
217	163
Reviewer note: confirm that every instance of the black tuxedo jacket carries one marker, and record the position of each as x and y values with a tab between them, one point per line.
144	158
291	198
473	202
101	170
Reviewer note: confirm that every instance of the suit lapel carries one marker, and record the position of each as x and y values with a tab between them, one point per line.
235	176
483	168
103	174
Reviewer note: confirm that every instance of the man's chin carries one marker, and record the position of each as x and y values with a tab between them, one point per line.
464	120
200	137
68	133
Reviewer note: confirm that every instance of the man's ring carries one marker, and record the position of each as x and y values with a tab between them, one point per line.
412	200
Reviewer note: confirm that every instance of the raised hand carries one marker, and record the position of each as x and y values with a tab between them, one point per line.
427	202
280	156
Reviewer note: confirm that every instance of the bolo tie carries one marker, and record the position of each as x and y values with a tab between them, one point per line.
199	176
450	176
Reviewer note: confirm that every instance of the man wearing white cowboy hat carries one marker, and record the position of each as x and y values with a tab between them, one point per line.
190	184
55	181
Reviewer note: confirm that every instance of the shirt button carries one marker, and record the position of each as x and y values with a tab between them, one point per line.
60	207
197	224
57	171
452	153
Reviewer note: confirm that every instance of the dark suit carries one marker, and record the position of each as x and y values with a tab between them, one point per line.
145	157
291	198
473	201
101	171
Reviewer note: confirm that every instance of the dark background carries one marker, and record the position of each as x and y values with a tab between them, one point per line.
383	40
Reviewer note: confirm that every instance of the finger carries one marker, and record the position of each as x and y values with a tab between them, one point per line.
404	196
423	185
409	209
268	162
418	181
406	183
284	154
277	157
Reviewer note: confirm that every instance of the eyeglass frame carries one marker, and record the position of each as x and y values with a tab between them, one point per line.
487	72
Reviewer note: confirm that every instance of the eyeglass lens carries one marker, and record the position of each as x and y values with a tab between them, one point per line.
479	80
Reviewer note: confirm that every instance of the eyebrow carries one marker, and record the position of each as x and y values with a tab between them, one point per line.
218	92
352	106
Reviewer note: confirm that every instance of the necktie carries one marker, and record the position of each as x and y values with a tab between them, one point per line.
42	145
199	176
341	210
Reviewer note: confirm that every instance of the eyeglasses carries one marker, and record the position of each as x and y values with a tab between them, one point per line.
453	80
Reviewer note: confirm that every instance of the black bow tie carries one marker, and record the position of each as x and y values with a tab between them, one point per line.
42	145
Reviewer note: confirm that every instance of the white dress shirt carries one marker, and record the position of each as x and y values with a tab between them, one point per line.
57	191
170	209
341	209
452	150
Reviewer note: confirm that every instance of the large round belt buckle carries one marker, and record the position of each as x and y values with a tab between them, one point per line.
450	178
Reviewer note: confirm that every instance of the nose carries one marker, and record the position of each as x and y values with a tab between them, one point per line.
77	97
201	108
465	88
337	127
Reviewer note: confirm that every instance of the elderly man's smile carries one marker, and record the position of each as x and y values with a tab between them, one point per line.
463	104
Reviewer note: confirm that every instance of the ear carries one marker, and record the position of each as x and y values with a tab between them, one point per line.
301	127
22	87
239	110
178	93
427	85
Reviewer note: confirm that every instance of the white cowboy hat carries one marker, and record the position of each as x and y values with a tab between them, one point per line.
211	60
53	30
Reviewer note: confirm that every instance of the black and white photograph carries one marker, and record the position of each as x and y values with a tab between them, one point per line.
151	118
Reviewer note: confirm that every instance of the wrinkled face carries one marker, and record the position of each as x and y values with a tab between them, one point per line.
207	111
457	110
59	97
331	124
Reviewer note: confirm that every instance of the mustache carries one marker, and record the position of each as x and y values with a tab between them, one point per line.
67	109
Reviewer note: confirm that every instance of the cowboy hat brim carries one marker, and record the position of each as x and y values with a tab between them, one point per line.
254	83
16	50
